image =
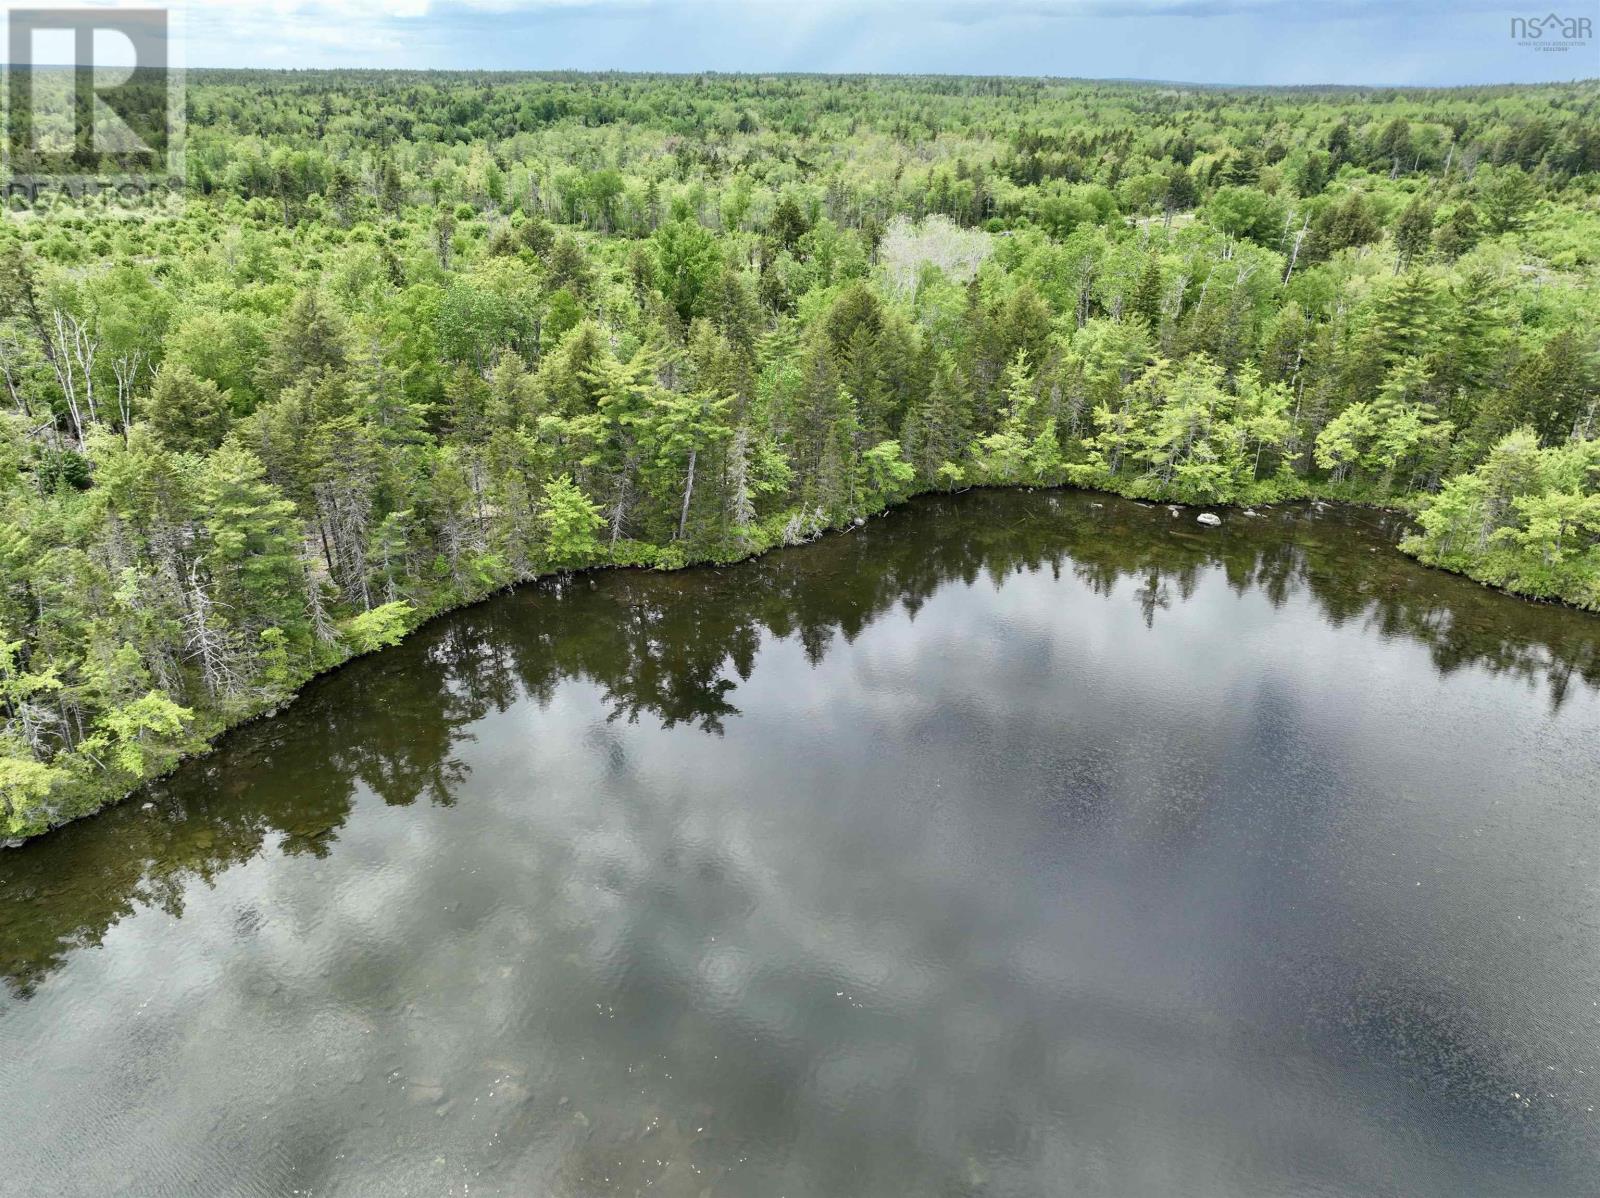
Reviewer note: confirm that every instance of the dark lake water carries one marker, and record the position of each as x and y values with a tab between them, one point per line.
1014	844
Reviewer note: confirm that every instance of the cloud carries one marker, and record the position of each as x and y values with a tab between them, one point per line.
1384	42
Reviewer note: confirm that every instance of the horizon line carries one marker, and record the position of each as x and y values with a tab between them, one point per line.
1132	80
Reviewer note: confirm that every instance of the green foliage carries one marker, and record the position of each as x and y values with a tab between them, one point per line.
383	625
1528	519
889	475
408	339
1179	432
146	734
1248	213
25	789
1506	198
189	414
689	263
570	521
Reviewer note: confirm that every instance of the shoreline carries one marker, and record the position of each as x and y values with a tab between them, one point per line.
116	795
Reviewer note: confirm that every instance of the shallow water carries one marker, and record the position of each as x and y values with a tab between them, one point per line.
1013	844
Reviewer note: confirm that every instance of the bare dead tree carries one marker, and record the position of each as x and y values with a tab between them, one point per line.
85	346
75	346
125	368
207	640
321	624
741	498
8	353
1294	254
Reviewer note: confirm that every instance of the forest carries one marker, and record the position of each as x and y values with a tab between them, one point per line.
404	339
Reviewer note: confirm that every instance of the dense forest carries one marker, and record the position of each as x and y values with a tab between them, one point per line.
405	339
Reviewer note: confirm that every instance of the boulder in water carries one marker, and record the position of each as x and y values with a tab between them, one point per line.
1209	518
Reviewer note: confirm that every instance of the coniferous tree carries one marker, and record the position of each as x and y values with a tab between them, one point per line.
357	377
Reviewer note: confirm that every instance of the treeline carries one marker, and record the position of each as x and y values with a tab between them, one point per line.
370	369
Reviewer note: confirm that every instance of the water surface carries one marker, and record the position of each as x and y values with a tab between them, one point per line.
1014	844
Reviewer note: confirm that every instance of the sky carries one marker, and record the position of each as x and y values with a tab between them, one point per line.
1418	42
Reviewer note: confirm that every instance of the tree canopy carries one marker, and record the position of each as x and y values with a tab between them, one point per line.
406	338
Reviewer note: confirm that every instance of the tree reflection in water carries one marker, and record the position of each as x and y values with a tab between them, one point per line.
675	647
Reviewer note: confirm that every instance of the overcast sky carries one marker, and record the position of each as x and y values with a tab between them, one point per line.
1210	41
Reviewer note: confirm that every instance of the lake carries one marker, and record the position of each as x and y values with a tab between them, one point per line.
1012	844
